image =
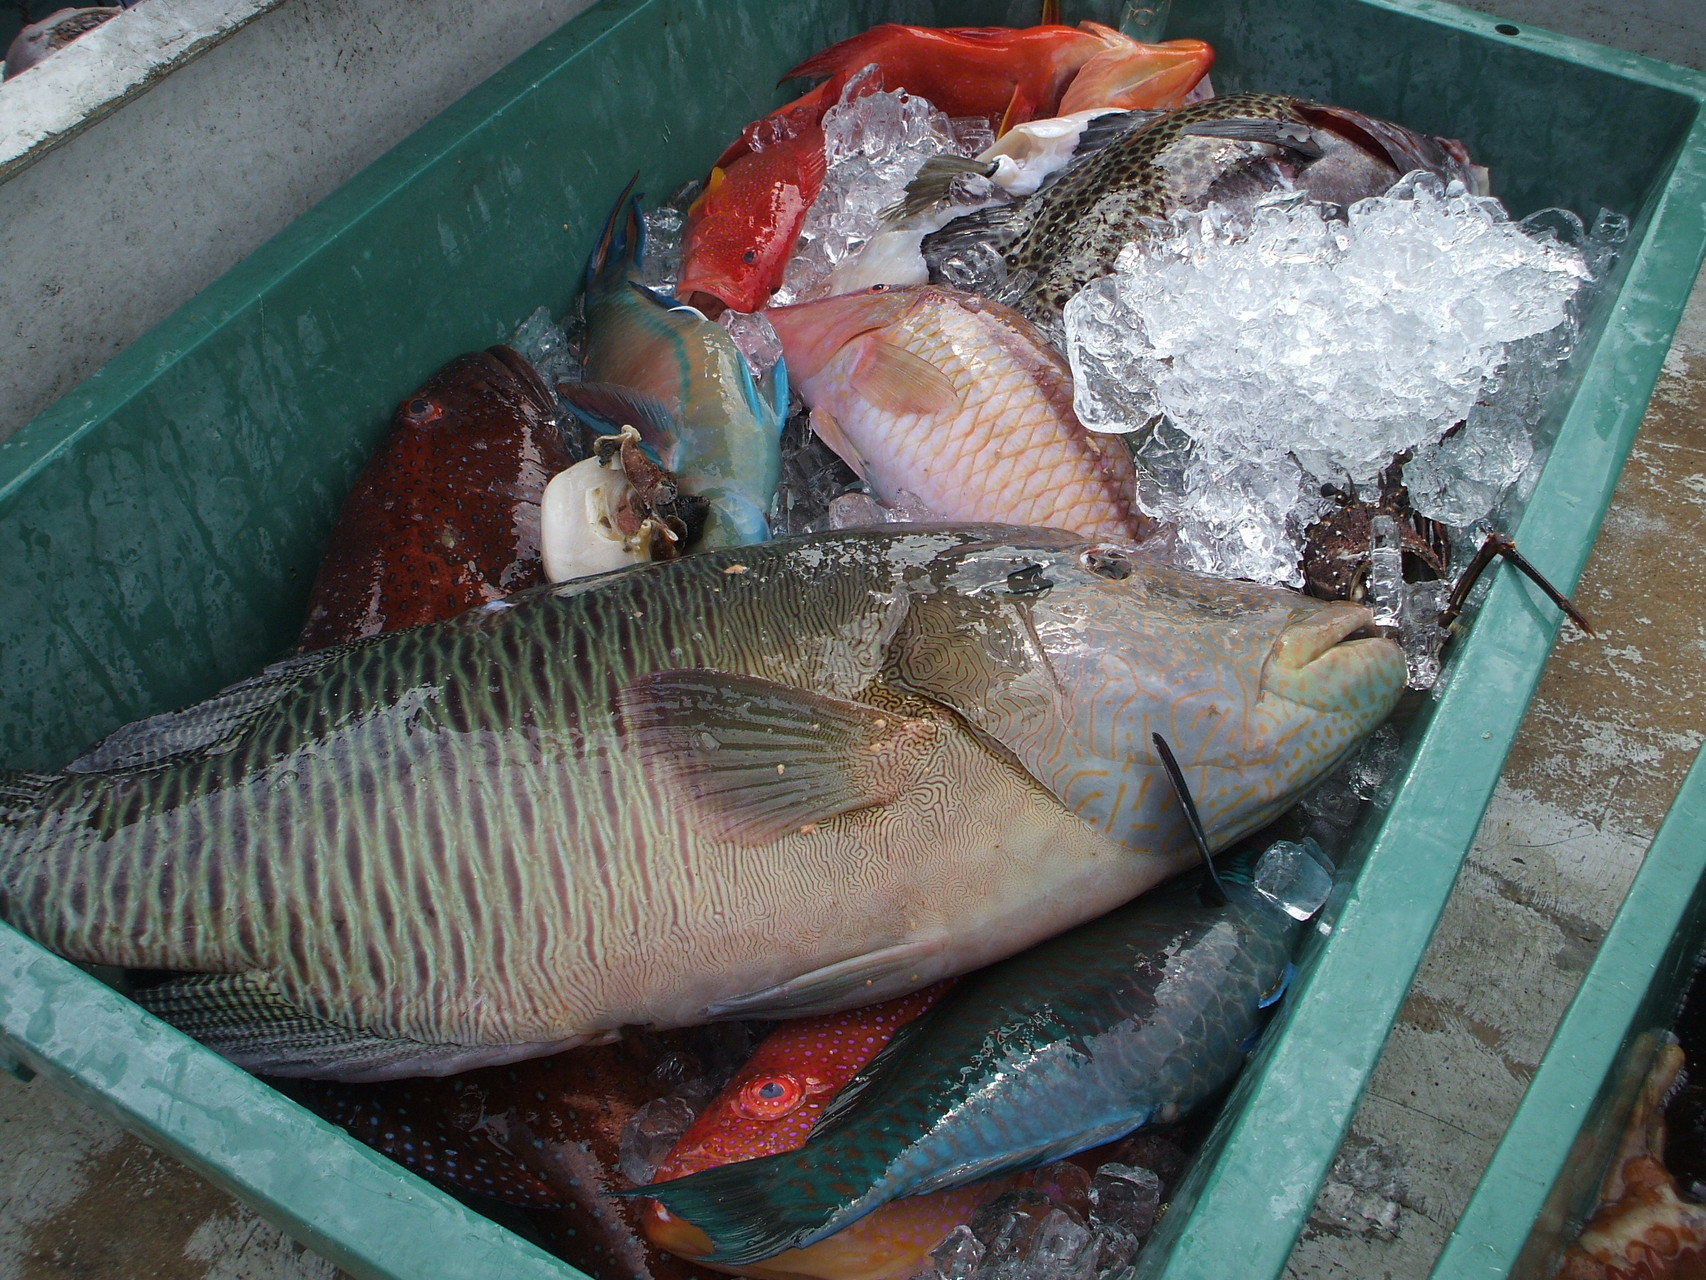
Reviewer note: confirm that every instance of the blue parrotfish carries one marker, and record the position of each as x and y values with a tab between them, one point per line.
1130	1020
679	379
758	782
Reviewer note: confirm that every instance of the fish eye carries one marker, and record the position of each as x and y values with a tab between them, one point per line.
1108	562
751	255
421	410
770	1097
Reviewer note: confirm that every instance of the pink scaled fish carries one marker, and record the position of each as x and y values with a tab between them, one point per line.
953	405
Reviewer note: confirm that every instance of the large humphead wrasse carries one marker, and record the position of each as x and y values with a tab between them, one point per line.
759	782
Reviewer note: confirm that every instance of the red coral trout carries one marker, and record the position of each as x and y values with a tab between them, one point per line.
446	515
766	781
743	227
948	401
770	1107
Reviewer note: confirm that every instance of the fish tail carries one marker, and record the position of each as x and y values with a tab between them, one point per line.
621	245
752	1209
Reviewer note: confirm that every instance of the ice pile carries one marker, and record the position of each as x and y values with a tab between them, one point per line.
874	142
1066	1224
691	1081
1264	353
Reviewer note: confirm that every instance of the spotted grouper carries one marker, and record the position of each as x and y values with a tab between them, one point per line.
758	782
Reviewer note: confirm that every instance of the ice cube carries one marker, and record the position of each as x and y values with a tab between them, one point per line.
1294	877
661	266
1374	762
1125	1197
546	346
650	1134
757	339
1289	348
1061	1249
958	1256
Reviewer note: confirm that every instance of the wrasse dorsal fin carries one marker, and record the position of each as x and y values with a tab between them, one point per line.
866	979
897	381
1193	820
173	736
757	760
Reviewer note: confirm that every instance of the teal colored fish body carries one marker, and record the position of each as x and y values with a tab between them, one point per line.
691	394
1129	1020
758	782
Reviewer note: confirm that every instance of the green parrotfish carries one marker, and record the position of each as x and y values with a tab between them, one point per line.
679	379
757	782
1129	1020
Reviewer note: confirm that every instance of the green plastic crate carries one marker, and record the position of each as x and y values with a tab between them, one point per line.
1544	1179
159	526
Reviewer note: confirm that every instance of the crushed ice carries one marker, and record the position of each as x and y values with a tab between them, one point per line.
1262	355
874	142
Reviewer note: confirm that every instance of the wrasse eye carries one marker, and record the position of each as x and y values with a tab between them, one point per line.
1108	562
770	1097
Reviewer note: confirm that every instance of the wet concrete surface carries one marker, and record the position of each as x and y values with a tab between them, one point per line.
1614	725
1604	747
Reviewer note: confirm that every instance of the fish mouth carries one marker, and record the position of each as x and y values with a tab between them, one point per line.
1334	659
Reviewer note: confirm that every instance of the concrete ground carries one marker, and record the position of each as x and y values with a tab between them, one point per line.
1600	756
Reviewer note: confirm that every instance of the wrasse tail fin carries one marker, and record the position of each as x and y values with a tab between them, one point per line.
759	760
244	1017
621	245
173	736
751	1209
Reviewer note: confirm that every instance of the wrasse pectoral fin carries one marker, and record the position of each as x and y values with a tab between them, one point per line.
1193	820
897	381
829	431
758	760
860	980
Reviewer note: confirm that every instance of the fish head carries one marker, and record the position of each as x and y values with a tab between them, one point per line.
812	333
741	230
1073	654
1134	76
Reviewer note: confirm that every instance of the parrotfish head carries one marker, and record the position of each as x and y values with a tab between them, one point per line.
1135	76
812	332
1089	650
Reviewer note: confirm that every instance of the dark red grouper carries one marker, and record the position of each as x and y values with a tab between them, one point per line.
446	514
544	1135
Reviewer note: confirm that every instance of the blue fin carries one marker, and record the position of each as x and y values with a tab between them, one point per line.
621	245
778	388
607	407
1280	987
